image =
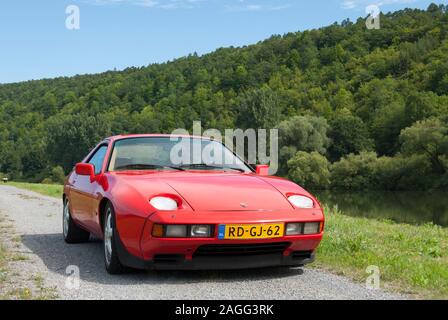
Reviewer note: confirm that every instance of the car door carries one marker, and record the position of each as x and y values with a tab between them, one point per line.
83	192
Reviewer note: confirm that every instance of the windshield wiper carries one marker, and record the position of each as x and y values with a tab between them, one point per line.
206	166
139	166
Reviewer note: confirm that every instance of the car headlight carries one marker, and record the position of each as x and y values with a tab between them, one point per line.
200	231
301	201
293	229
306	228
164	203
311	228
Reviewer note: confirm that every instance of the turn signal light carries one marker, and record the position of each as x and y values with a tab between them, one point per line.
157	231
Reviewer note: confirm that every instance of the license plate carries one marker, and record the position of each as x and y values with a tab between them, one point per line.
250	231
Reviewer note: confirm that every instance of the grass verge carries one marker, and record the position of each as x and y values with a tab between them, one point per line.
52	190
13	282
411	259
3	271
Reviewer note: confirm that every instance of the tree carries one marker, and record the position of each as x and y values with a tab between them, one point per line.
382	108
259	109
301	133
348	134
11	162
70	137
365	85
429	138
310	170
306	133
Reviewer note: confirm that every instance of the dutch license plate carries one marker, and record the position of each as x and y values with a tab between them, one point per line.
250	231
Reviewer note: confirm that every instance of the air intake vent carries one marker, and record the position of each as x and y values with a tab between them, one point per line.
249	249
168	258
301	254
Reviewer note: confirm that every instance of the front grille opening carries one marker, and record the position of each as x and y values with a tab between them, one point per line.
168	258
240	250
301	254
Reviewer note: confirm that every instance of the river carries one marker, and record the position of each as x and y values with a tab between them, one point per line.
402	207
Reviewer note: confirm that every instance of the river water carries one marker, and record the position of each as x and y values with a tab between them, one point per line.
402	207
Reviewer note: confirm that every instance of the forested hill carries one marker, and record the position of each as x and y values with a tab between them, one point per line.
366	108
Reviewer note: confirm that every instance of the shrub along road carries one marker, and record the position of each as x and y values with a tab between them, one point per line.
37	219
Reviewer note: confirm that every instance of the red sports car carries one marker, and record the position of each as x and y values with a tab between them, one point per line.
153	214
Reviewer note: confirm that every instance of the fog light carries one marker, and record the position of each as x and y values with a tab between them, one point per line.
176	231
311	228
293	229
200	231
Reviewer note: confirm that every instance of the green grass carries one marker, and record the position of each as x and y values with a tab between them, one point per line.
3	271
411	259
3	254
52	190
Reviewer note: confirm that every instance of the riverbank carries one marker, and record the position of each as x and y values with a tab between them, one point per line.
411	259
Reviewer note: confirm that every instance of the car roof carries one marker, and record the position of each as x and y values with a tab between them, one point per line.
152	135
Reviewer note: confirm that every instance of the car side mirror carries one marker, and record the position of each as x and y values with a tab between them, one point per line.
85	169
262	170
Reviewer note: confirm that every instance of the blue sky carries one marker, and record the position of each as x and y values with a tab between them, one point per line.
36	44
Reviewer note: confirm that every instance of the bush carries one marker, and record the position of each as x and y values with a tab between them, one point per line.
58	175
400	173
310	170
354	172
416	173
368	172
388	172
443	180
47	181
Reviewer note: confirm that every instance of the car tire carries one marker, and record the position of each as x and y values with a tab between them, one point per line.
71	232
111	259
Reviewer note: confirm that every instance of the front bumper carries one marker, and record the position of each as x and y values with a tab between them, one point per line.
189	253
183	257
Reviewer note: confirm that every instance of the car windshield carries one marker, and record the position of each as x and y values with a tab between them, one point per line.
176	153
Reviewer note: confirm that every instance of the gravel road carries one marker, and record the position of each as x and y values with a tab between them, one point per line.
37	219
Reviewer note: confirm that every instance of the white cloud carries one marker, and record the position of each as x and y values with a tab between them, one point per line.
233	5
257	5
163	4
352	4
349	4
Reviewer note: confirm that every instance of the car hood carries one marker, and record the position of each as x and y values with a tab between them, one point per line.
229	193
213	191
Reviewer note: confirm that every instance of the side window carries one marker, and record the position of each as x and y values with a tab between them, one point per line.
98	158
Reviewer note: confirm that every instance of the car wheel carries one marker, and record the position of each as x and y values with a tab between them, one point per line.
111	259
72	233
